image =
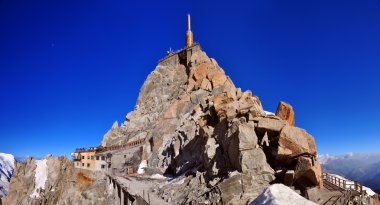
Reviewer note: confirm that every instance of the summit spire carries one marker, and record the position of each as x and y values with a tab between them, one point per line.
189	34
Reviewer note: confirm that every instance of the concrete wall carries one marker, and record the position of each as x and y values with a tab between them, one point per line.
123	196
99	163
122	159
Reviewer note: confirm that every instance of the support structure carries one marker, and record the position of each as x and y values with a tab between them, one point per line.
189	34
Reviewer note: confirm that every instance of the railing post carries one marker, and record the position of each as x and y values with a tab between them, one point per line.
344	184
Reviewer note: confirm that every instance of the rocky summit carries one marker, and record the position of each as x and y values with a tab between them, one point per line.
213	141
193	137
197	124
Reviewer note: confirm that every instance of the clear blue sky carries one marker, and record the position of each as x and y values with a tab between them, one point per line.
69	68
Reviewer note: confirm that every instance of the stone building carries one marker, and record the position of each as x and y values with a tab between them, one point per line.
89	159
117	159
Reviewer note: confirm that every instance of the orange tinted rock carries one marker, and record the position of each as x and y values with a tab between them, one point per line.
200	72
294	141
217	77
285	111
224	106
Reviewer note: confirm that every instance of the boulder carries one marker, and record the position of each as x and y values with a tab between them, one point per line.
249	104
271	124
254	160
308	173
285	112
294	141
247	136
289	177
231	189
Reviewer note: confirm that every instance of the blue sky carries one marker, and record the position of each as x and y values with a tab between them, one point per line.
69	68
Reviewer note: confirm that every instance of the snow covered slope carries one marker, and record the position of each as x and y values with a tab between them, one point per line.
279	194
40	177
7	162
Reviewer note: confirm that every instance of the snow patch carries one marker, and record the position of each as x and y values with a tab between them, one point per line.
267	113
142	166
7	162
40	177
157	176
279	194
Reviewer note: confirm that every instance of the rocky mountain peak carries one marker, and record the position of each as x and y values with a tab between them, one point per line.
196	121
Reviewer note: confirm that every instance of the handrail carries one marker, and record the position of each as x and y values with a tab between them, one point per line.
342	183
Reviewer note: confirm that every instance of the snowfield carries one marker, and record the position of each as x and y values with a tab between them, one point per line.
7	162
40	177
279	194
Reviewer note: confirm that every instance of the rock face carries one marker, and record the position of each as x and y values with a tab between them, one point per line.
285	112
198	124
213	139
62	184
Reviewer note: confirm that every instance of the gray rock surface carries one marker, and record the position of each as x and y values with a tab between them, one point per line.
197	124
64	185
199	129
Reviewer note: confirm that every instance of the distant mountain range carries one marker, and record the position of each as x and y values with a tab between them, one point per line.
7	162
361	167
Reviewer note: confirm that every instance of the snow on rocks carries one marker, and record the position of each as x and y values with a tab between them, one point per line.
279	194
142	166
157	176
40	177
7	162
267	113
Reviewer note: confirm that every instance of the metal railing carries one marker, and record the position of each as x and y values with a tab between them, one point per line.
342	183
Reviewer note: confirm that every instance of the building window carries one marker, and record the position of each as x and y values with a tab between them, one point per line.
88	157
103	158
82	157
103	166
82	164
97	157
92	157
125	156
88	164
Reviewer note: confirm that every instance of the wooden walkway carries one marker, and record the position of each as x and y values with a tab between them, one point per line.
339	191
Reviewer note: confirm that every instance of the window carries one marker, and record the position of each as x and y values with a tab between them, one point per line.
92	157
82	157
88	157
88	164
125	156
82	164
103	166
103	158
97	157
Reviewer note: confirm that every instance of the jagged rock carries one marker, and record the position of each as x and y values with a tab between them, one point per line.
271	124
289	178
247	136
197	124
294	141
308	173
285	112
63	185
231	190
